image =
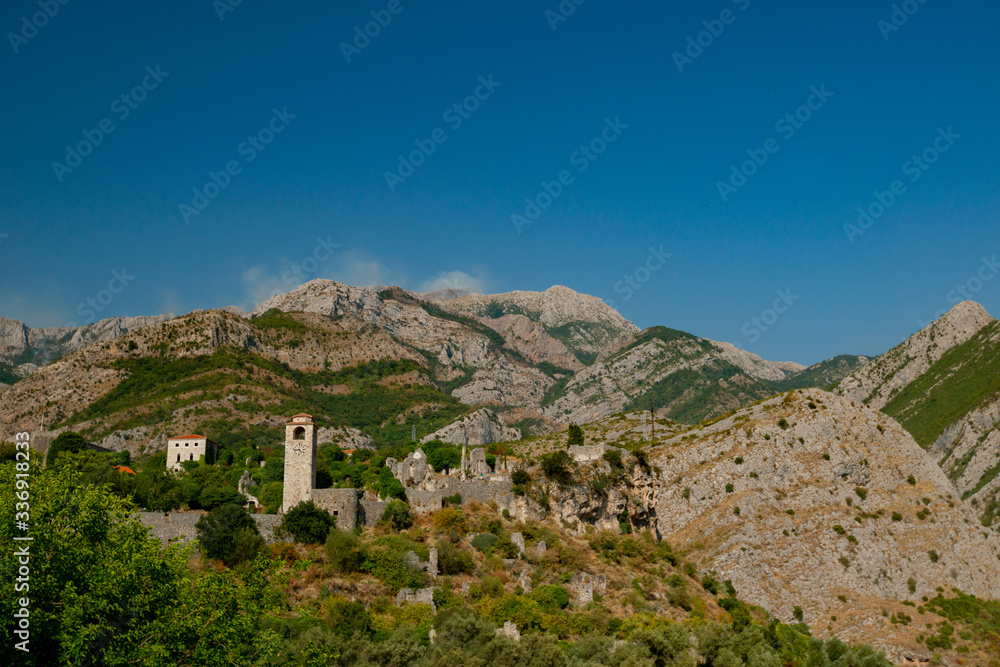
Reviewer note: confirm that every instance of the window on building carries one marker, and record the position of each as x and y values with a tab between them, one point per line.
178	458
299	434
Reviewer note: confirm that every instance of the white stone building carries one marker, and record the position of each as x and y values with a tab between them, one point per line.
189	448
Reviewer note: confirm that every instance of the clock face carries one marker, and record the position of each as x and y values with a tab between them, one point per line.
299	449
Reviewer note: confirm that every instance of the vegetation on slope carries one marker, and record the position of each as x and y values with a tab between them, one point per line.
155	387
962	380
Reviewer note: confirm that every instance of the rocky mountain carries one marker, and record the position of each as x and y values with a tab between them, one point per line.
806	500
540	358
23	349
479	428
588	327
943	385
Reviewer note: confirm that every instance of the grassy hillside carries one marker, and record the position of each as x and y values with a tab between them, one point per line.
962	380
154	389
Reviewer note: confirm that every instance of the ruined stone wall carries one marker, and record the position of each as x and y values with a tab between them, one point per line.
370	511
167	526
341	503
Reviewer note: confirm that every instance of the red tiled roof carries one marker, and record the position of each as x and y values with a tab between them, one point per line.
124	469
301	414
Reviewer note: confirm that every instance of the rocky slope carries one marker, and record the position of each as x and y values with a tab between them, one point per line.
476	429
808	500
879	381
943	385
24	349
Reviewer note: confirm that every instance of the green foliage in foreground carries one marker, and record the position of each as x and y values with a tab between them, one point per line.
103	592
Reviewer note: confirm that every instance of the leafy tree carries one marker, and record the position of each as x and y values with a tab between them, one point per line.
556	466
453	560
575	435
67	441
96	574
388	486
229	534
345	551
308	523
397	515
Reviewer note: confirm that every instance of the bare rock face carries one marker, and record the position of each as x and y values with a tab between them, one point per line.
345	438
799	500
584	323
48	344
134	441
755	366
878	382
532	342
482	427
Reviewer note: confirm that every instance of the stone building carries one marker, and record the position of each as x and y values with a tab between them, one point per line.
412	470
190	448
300	461
347	505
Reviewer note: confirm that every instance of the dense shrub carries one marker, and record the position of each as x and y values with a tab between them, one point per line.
453	560
484	541
551	598
308	523
397	515
449	519
67	441
575	435
345	551
229	534
556	466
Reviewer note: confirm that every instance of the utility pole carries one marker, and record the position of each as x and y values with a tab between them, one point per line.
652	419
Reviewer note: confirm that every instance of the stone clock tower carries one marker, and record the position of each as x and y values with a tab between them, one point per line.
300	461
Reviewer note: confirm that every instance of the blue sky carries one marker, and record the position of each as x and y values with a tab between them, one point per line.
319	188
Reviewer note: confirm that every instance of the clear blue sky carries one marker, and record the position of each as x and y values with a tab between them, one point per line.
323	175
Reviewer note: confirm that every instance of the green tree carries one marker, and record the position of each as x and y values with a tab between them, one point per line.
308	523
397	515
388	486
575	435
67	441
95	574
229	534
345	551
556	466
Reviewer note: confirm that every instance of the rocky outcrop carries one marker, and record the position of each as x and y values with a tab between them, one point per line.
878	382
800	500
20	344
482	427
345	438
532	342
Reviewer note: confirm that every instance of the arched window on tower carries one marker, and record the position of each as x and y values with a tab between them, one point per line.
299	433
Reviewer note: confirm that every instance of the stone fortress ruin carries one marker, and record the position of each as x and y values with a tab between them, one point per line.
425	489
